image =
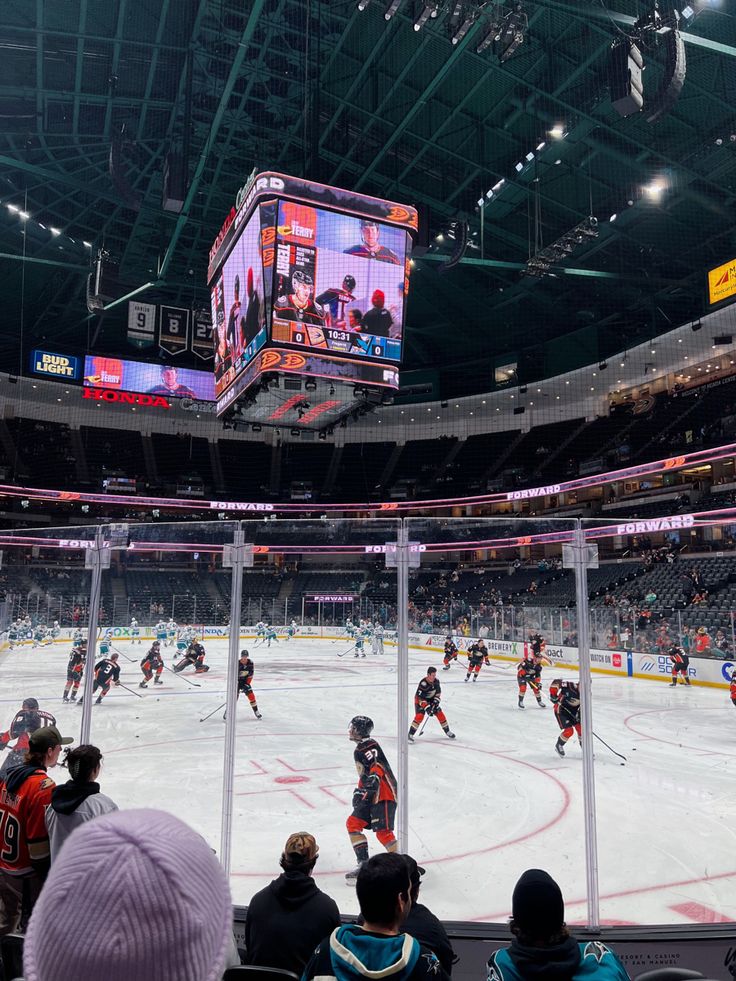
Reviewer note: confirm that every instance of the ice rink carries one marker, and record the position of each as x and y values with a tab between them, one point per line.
483	808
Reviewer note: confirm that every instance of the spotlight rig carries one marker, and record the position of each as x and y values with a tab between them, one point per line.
540	264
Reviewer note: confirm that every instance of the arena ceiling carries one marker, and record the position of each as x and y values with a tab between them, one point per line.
321	89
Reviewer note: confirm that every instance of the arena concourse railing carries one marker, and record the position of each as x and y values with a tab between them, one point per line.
648	761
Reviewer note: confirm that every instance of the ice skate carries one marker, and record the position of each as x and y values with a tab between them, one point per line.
521	703
673	684
142	684
560	747
541	704
450	735
157	681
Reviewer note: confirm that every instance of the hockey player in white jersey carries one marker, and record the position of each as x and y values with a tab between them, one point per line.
135	632
377	639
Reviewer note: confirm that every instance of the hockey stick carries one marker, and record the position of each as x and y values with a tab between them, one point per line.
347	651
118	651
424	722
178	674
131	690
213	712
620	756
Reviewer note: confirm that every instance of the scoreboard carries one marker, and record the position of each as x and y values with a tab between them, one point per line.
309	279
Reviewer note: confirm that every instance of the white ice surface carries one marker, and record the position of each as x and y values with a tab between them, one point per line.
483	808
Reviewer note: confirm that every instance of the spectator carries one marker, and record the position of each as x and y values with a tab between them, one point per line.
378	948
126	877
291	906
542	946
79	799
25	792
422	924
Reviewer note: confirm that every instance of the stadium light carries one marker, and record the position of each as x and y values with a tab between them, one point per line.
392	9
430	9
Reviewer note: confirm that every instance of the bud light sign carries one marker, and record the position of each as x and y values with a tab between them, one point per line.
60	366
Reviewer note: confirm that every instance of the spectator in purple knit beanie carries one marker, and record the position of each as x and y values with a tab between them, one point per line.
133	896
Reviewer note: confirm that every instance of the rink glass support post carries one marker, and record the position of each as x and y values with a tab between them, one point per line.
581	557
402	555
96	558
235	557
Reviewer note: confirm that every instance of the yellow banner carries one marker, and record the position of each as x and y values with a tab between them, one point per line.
722	282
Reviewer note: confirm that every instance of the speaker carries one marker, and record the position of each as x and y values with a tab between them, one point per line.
421	242
519	410
461	245
106	277
627	89
674	77
175	182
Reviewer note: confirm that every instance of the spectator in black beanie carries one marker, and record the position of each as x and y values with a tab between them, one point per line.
542	948
286	920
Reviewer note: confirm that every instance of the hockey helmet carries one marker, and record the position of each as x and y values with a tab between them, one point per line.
299	276
360	726
32	703
349	282
156	643
244	654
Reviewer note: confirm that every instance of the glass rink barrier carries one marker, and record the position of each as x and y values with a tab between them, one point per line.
550	735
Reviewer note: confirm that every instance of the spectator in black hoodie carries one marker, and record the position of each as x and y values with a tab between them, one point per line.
286	920
79	799
423	924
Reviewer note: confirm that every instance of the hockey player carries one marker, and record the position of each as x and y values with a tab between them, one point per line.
246	669
733	687
427	702
680	663
194	655
374	799
14	634
171	628
299	305
106	643
162	632
260	630
40	636
27	720
271	635
358	645
370	246
538	645
565	696
477	657
529	672
75	671
135	632
107	673
335	299
77	637
451	653
183	641
377	639
150	663
350	628
55	630
292	629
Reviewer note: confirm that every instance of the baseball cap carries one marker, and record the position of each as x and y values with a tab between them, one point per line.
47	737
415	871
300	847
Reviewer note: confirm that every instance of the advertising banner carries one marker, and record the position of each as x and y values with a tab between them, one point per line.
722	282
174	330
160	379
62	367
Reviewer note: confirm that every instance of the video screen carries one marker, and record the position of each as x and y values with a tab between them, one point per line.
238	308
167	380
339	283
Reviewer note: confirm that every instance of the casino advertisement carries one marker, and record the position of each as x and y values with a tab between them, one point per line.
238	308
339	283
166	380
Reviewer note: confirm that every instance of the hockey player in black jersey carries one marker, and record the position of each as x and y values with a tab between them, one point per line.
75	671
374	799
427	702
194	655
477	657
299	305
152	662
529	672
451	653
565	696
107	673
246	669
